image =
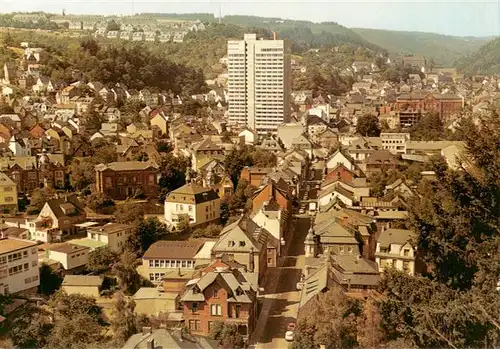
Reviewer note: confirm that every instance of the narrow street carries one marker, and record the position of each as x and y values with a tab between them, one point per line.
280	307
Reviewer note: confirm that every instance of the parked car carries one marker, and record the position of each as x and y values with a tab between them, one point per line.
290	332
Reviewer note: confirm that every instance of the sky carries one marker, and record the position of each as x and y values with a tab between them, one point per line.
461	18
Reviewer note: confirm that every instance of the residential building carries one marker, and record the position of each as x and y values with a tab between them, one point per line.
172	257
19	270
259	83
354	275
113	235
163	338
87	285
120	180
220	295
255	175
200	205
246	243
395	249
395	142
70	256
57	220
8	193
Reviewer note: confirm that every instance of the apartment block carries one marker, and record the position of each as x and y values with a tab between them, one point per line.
259	83
19	269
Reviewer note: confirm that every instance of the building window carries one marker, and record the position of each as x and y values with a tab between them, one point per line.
406	266
237	310
216	293
26	266
151	277
406	252
184	264
194	307
242	243
216	310
230	244
157	263
349	249
151	263
190	208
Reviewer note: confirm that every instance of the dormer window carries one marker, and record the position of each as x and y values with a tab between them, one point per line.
230	244
196	289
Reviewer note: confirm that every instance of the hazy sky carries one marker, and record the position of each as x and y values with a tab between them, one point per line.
465	18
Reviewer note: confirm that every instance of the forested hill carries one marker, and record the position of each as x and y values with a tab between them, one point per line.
484	61
305	34
443	49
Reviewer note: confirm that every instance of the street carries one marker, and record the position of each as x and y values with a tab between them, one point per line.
281	305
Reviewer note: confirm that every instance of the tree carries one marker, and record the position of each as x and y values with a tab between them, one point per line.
129	213
148	232
38	199
210	231
242	195
369	326
30	326
125	270
428	128
227	335
98	200
80	331
172	173
82	172
330	321
50	280
112	26
64	306
184	226
458	214
123	319
224	212
263	158
368	126
101	260
235	161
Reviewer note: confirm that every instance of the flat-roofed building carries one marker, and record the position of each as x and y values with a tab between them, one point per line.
164	257
19	270
259	86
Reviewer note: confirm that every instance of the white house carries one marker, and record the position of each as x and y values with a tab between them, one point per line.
395	250
70	256
250	136
19	269
18	147
339	158
336	192
198	204
272	219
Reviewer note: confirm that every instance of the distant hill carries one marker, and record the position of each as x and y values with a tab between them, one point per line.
484	61
444	49
305	34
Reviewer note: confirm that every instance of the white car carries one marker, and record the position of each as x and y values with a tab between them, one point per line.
289	336
301	211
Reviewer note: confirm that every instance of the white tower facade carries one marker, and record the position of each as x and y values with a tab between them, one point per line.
260	83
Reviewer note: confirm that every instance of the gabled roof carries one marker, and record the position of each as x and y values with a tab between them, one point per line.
192	194
241	230
237	288
395	236
67	206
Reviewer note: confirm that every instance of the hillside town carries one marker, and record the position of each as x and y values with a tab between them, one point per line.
218	219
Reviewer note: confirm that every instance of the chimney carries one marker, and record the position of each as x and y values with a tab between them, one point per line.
275	36
150	344
146	331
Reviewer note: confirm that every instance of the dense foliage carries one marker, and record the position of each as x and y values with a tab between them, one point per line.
442	49
486	60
